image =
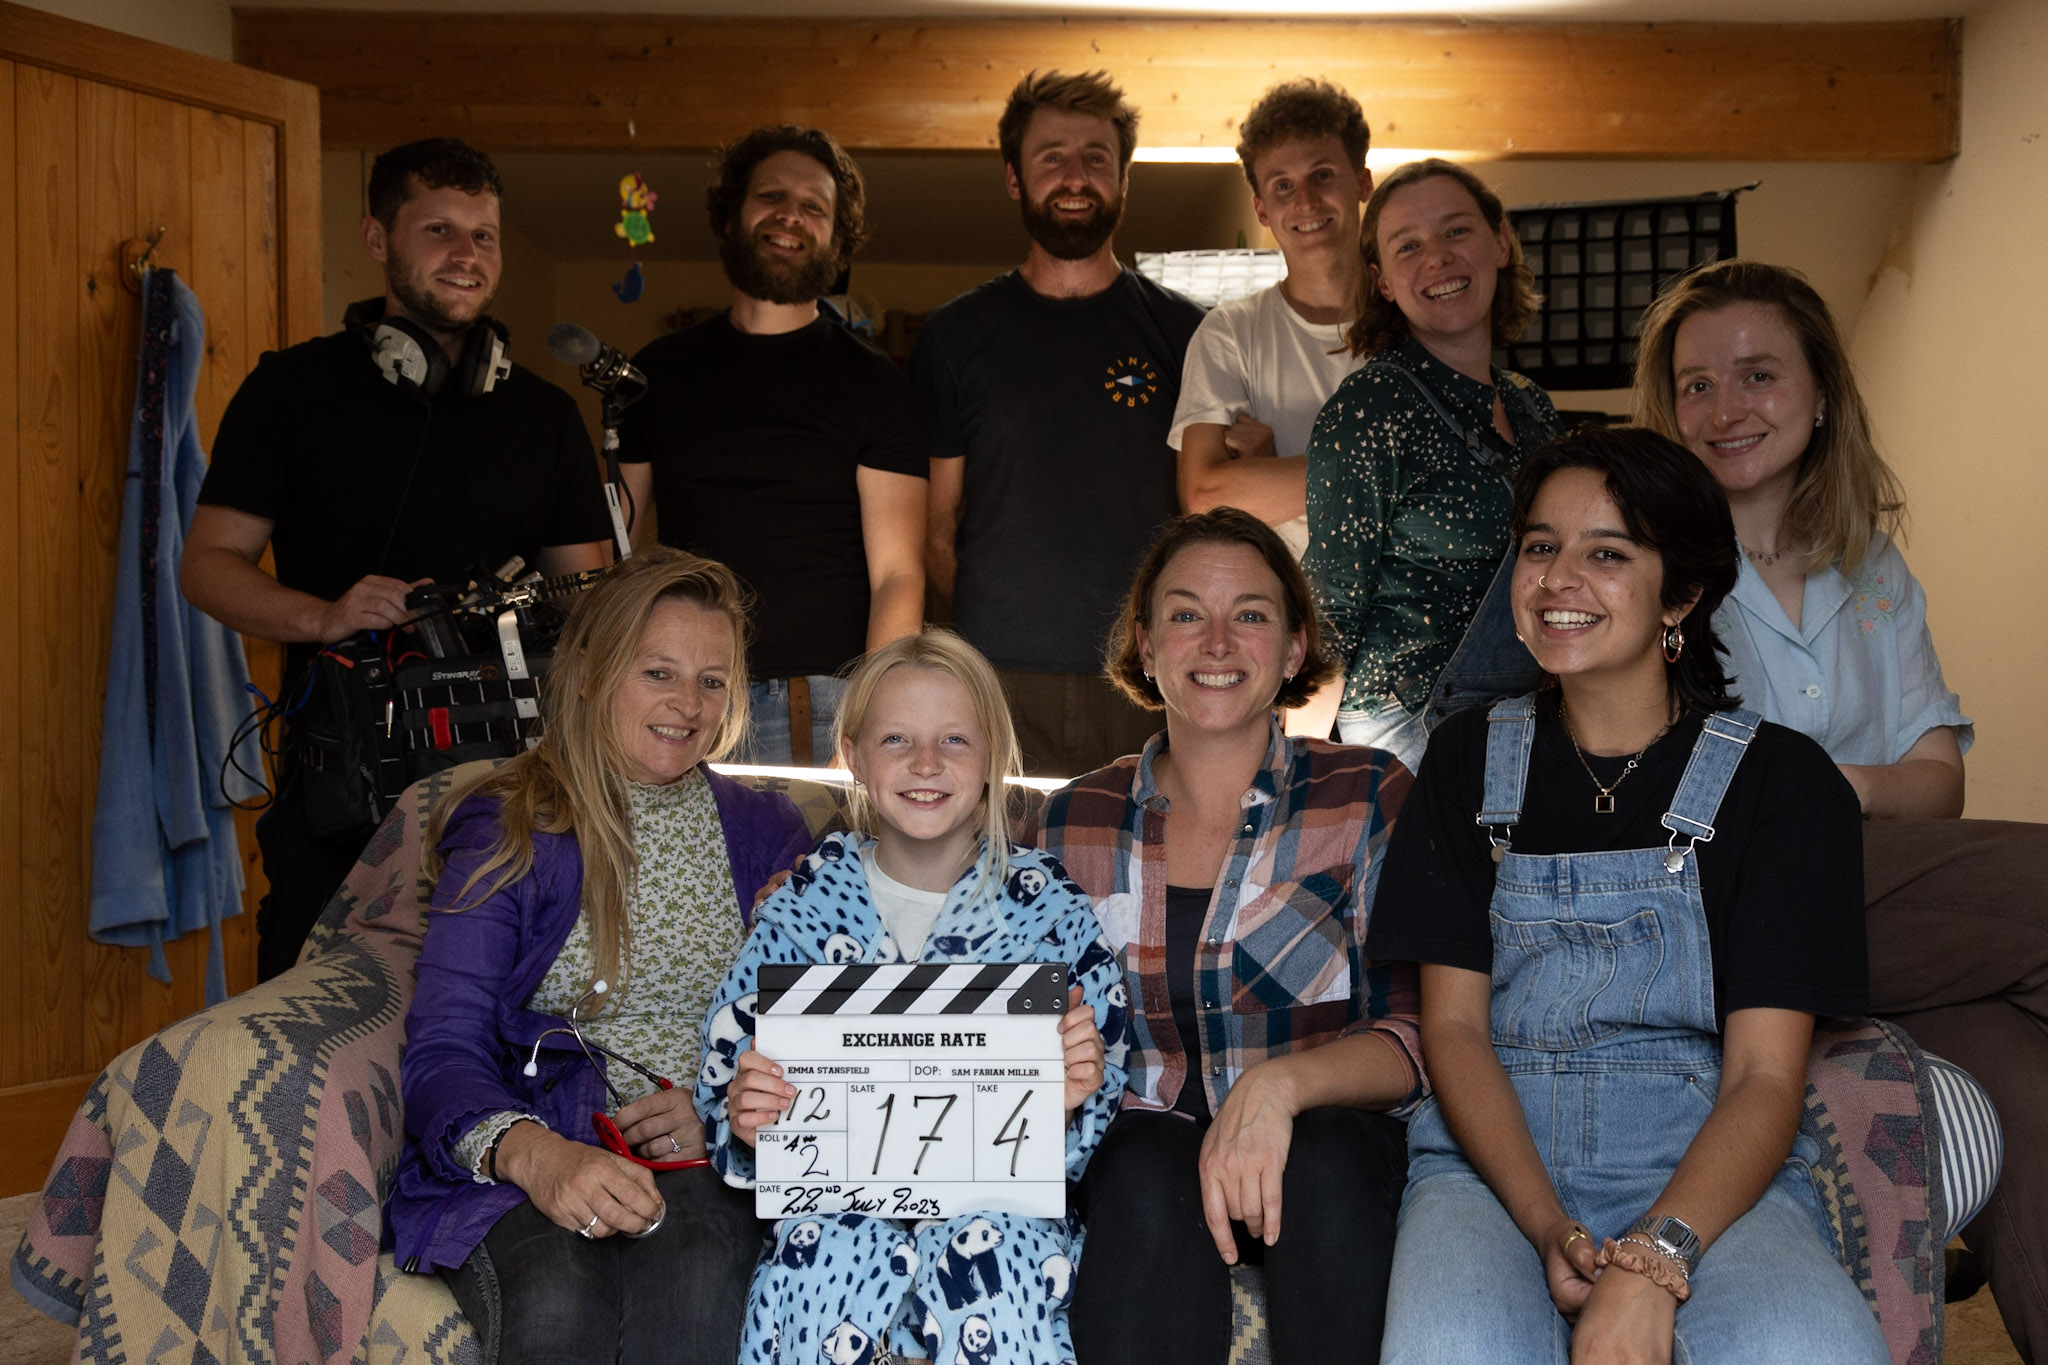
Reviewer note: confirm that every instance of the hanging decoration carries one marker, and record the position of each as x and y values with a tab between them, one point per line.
636	203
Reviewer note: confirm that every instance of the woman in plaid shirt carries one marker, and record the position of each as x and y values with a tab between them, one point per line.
1232	868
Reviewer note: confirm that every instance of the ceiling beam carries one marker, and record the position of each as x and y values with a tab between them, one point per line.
1793	92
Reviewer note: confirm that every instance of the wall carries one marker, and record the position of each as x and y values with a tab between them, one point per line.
221	159
202	26
1949	347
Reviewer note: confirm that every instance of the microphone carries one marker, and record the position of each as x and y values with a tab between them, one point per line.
604	368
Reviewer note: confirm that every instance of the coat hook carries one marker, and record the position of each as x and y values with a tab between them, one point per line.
137	259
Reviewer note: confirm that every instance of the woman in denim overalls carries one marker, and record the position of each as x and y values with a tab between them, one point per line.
1609	1170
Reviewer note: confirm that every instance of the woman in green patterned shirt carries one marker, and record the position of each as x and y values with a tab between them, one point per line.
1409	463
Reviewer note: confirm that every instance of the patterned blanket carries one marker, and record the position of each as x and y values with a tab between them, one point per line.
218	1195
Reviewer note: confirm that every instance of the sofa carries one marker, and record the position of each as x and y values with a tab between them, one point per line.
218	1196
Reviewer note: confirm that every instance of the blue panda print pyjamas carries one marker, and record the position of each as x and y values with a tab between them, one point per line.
983	1289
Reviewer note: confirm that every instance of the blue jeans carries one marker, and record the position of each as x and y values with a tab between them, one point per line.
767	738
1392	731
1603	1020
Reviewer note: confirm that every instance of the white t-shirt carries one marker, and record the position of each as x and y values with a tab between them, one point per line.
1256	355
906	912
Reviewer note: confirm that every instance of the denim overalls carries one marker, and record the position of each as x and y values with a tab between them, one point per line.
1603	1017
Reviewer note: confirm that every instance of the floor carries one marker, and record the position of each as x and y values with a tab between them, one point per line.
1975	1335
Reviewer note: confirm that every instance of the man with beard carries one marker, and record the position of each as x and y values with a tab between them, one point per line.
1048	392
775	440
403	449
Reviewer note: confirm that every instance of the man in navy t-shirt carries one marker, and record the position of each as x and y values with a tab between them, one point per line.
1048	393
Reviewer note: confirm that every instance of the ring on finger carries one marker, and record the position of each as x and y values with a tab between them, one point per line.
659	1214
584	1231
673	1146
1577	1233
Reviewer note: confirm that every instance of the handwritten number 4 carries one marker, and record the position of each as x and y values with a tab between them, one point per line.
1016	1143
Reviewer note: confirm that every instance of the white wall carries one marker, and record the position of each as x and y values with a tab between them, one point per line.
203	26
1950	353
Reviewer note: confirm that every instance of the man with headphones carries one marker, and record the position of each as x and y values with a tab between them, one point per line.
406	448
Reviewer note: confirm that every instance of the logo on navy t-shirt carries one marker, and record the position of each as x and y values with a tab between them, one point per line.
1132	382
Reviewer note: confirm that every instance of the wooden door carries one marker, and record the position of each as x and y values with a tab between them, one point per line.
105	138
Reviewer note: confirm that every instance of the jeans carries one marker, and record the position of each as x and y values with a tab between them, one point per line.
767	738
537	1294
1152	1287
1392	731
1469	1287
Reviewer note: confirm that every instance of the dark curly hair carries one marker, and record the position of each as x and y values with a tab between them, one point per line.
1672	505
1380	324
1302	110
1219	526
438	163
733	169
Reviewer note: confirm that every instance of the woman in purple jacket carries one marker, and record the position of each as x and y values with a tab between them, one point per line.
590	894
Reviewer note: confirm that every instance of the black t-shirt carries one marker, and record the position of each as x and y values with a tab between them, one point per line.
756	442
1781	880
1061	408
1187	909
318	443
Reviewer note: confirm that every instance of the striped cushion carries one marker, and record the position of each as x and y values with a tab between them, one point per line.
1972	1143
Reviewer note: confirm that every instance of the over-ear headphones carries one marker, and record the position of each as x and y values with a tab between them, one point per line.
415	362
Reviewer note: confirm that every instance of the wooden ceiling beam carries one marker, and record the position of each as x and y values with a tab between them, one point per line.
1793	92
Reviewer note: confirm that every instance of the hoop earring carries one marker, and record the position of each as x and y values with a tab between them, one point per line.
1674	644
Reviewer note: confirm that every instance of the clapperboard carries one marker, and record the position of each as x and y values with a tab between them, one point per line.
923	1090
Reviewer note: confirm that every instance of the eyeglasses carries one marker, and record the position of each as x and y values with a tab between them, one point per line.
608	1135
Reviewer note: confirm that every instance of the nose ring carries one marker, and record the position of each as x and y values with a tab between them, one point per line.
1540	583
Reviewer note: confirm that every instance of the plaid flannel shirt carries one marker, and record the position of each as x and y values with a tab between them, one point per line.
1281	963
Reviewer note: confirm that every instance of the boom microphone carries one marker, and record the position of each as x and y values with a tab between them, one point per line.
604	368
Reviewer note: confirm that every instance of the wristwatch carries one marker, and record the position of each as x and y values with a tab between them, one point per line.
1673	1237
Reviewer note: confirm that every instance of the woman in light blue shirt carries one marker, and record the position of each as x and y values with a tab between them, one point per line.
1827	633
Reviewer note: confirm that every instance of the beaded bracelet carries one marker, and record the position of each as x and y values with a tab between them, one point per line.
1659	1269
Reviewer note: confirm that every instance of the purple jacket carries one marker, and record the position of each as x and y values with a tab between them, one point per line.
468	1033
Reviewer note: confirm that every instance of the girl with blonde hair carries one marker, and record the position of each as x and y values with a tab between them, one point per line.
587	895
927	874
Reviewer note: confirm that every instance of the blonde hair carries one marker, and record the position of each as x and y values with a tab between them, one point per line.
1844	492
941	651
573	781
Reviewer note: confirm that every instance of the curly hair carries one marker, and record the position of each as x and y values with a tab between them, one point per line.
437	163
1300	111
1844	492
1380	324
1092	93
733	167
1121	663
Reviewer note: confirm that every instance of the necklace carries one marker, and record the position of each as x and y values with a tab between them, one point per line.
1603	804
1763	557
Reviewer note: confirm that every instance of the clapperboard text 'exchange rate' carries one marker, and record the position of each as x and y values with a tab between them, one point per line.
923	1090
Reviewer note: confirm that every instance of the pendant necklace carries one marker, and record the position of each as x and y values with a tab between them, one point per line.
1603	804
1764	557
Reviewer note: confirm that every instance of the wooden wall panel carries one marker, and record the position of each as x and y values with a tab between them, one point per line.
13	964
111	978
103	137
53	686
1735	92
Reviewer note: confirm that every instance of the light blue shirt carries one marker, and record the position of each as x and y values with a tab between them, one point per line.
1858	673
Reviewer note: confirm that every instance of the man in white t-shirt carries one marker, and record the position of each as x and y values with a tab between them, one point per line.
1261	367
